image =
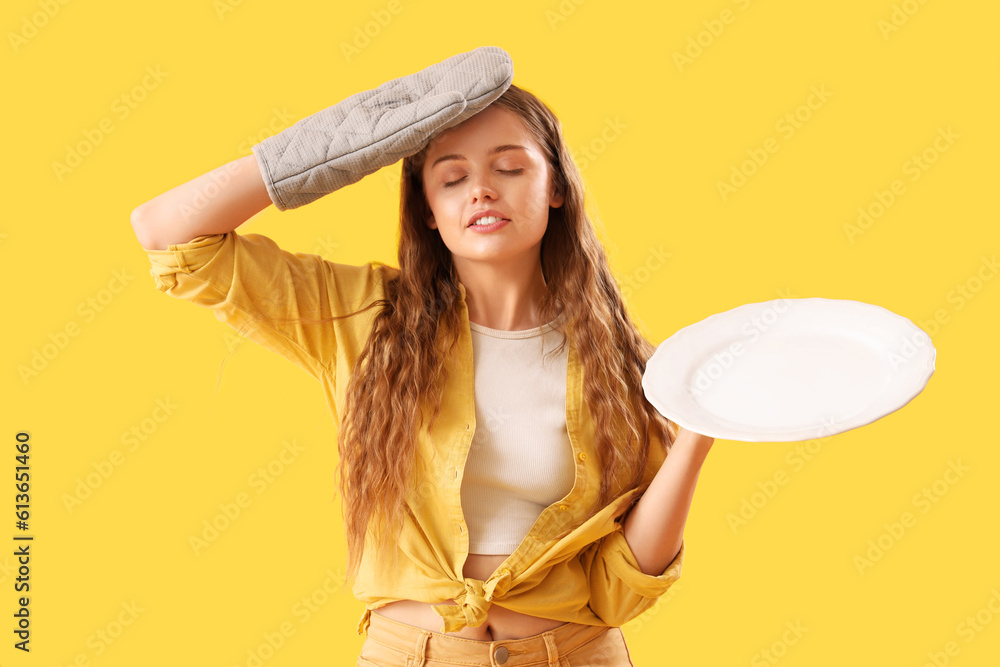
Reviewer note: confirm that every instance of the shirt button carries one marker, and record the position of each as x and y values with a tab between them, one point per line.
501	654
563	508
583	456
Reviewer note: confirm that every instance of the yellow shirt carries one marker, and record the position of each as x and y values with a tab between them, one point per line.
567	568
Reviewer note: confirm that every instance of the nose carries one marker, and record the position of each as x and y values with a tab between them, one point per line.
482	187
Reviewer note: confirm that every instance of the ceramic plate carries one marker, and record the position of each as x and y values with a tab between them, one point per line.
789	369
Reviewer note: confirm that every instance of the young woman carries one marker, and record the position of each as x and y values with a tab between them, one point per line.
507	494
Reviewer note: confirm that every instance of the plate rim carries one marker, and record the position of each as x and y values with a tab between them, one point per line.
922	376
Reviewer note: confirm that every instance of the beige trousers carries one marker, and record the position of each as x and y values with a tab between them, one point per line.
390	643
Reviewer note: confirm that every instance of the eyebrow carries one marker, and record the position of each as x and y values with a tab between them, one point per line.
493	151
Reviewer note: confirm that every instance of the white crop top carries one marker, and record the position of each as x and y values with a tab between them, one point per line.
521	459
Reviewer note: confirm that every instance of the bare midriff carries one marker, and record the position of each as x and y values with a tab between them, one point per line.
500	623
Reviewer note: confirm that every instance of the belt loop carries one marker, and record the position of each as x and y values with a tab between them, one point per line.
421	650
550	646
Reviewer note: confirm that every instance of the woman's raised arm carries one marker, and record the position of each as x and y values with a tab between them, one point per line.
332	148
216	202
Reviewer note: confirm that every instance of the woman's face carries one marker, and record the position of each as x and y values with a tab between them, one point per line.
489	161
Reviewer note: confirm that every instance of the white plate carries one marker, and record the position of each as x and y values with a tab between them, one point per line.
789	369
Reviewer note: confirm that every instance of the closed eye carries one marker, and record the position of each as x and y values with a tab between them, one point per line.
502	171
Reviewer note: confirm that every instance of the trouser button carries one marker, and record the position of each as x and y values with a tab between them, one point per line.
501	654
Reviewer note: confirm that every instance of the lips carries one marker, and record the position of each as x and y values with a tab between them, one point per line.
483	214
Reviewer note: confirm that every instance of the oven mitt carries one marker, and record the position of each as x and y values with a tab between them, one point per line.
373	129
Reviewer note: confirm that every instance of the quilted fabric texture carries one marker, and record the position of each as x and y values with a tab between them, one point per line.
373	129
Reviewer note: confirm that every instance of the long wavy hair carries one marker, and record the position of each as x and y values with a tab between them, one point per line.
401	369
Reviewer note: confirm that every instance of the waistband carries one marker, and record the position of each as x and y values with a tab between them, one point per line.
545	648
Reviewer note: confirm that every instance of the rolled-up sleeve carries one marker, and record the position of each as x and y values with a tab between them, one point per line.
619	589
271	296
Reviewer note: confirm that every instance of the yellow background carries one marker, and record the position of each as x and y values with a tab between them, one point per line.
231	74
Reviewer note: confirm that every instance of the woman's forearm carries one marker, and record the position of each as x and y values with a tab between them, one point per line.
216	202
654	527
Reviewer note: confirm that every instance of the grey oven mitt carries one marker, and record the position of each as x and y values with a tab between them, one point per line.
373	129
